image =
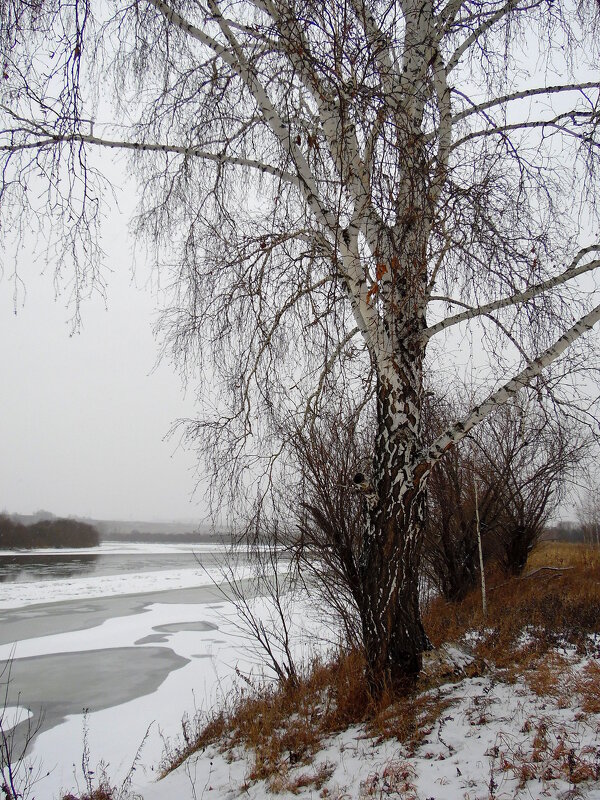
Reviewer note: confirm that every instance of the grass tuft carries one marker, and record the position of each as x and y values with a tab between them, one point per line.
100	793
587	685
396	780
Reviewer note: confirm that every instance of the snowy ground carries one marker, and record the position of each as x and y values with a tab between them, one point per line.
492	743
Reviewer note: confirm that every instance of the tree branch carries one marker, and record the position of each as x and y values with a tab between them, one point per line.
521	297
470	40
314	397
458	431
51	139
507	98
576	117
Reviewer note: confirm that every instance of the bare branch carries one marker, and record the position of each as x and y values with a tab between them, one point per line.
535	367
479	108
313	400
190	151
573	271
479	31
558	123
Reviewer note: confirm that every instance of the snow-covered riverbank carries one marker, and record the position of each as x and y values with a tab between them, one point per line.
493	742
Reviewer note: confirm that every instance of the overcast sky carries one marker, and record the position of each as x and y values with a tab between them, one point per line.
83	418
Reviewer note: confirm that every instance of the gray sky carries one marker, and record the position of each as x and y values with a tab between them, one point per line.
83	418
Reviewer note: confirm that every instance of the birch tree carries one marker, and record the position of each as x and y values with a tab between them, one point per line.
334	189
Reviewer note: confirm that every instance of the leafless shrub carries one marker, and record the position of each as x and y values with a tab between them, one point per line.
331	459
517	467
20	774
531	453
451	546
274	580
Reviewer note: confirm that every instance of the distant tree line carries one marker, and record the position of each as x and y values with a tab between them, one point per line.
47	533
571	531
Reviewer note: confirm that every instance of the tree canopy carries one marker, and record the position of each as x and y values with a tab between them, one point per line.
334	189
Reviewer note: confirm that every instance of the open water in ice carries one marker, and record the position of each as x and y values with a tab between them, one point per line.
25	567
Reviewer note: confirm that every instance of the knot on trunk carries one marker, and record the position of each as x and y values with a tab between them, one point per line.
363	484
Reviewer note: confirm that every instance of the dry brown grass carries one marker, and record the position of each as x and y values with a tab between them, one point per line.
283	727
550	676
316	778
587	685
535	624
409	719
563	554
104	791
557	599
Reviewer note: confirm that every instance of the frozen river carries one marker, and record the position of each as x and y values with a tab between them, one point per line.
134	649
26	566
51	676
30	577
